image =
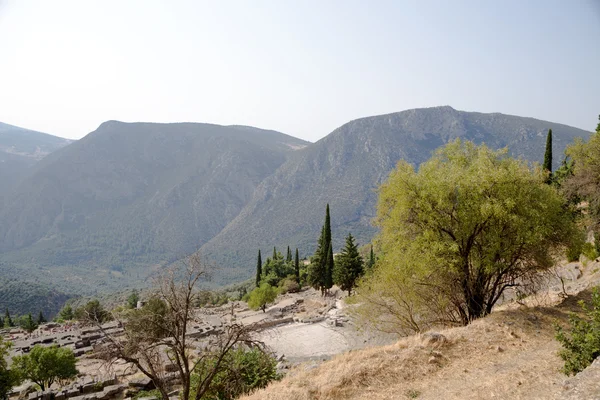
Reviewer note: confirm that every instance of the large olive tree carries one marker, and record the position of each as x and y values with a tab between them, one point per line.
470	223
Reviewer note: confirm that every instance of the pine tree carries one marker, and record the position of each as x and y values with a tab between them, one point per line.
274	254
8	322
297	267
28	323
288	258
41	319
258	269
548	156
349	265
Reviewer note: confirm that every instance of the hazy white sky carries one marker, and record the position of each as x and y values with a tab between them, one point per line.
300	67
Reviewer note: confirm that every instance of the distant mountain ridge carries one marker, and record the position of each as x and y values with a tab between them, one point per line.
345	168
20	149
106	211
131	196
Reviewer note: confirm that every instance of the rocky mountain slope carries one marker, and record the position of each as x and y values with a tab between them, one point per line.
128	196
345	168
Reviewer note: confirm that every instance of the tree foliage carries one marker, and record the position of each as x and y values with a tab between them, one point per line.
8	377
547	166
261	296
320	271
258	269
248	369
133	299
348	266
470	223
582	181
581	344
45	365
158	333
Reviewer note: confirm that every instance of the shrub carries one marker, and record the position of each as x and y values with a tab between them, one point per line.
581	345
288	285
243	371
589	250
261	296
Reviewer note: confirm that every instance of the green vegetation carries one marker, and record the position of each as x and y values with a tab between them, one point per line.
297	267
348	266
27	323
65	314
8	322
547	166
320	271
581	343
455	235
258	269
8	377
133	299
45	365
247	369
93	312
261	296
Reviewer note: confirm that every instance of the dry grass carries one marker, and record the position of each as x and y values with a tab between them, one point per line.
510	354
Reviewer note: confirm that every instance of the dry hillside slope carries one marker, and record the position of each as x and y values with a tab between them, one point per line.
510	354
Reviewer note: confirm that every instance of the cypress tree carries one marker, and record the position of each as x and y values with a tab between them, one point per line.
274	253
288	258
315	269
327	230
258	269
297	267
329	263
548	156
41	319
371	259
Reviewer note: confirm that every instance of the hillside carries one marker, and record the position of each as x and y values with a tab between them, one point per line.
98	214
510	354
20	149
345	168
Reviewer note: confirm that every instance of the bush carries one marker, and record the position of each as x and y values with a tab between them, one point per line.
242	371
589	250
581	345
288	285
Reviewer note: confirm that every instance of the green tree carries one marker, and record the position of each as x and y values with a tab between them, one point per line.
583	181
348	266
28	323
288	258
45	365
66	313
329	264
41	319
455	235
133	299
548	157
320	271
8	322
581	344
297	267
8	378
258	269
248	369
93	312
371	261
261	296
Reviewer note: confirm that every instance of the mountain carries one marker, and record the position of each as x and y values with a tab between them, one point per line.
20	149
106	210
345	168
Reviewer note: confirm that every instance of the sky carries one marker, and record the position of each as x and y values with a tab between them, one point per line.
300	67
